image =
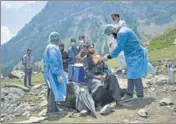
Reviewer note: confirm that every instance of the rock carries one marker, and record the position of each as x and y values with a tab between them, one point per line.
18	86
33	109
33	120
166	101
143	113
2	119
3	115
136	121
126	121
42	113
34	73
44	103
174	109
161	79
122	83
16	74
36	87
2	77
26	113
20	109
174	43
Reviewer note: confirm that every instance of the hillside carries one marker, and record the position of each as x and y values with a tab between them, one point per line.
72	19
163	46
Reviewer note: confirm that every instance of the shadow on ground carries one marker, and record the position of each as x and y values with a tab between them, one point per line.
137	103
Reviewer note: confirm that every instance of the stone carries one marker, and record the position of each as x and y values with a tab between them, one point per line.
18	86
16	74
3	115
161	79
2	77
174	43
33	109
33	120
26	113
42	104
2	119
143	113
126	121
174	109
20	109
34	73
165	102
42	113
36	87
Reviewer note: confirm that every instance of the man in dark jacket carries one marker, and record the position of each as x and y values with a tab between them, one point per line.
64	57
102	84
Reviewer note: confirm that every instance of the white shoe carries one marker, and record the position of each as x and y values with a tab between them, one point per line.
108	108
84	113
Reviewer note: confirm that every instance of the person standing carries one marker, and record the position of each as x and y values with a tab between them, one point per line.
64	57
118	23
28	65
54	75
135	56
73	51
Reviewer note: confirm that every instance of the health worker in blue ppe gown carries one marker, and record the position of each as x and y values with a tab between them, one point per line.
54	74
135	56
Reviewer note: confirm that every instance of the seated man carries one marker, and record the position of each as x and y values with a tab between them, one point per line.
102	84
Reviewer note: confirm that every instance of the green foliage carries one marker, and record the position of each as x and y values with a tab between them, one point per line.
164	41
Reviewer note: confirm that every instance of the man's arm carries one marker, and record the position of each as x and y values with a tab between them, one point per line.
121	39
55	61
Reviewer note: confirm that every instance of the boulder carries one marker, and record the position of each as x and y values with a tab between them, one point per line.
18	86
165	102
16	74
36	87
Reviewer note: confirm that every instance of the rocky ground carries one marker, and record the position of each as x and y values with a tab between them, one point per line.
23	105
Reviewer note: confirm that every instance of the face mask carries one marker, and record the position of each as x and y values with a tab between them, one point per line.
61	48
116	21
73	44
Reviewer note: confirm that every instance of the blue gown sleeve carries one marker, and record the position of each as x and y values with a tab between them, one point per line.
55	61
121	38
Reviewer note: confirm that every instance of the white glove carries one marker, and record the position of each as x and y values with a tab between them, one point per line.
105	58
60	79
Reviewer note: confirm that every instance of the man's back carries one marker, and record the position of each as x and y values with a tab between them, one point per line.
130	39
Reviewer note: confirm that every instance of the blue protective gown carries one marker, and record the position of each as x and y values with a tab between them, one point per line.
53	67
135	54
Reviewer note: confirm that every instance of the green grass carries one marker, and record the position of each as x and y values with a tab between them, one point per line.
18	119
163	41
162	46
169	53
36	79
